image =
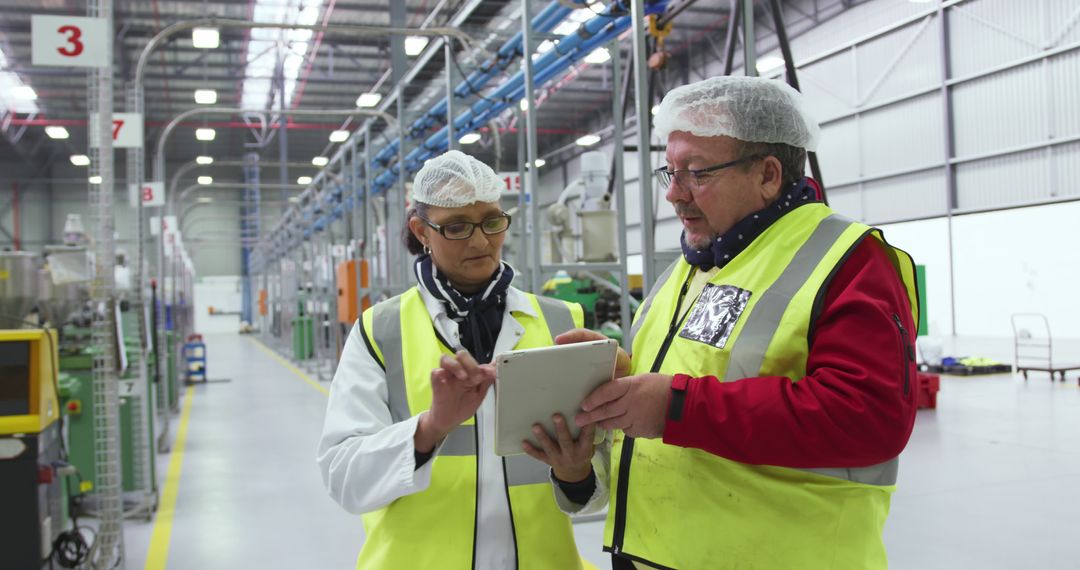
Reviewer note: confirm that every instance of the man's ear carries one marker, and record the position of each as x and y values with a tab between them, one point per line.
770	178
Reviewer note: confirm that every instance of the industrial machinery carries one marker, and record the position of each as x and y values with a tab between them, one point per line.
352	276
582	228
30	430
581	220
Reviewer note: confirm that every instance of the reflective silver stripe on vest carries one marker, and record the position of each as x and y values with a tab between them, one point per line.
386	322
748	353
557	314
647	304
461	441
524	470
882	474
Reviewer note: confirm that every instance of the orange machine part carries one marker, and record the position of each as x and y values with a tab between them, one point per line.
262	302
348	290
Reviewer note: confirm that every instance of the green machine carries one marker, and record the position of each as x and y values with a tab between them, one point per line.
599	301
135	414
303	339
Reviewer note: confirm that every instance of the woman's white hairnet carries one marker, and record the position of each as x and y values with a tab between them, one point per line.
750	109
455	179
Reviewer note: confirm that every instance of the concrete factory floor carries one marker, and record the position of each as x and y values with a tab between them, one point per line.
990	479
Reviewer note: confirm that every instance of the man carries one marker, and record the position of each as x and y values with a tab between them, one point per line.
766	434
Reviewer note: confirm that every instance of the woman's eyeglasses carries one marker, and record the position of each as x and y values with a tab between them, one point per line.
464	230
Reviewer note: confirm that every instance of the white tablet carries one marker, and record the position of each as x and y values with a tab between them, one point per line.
534	384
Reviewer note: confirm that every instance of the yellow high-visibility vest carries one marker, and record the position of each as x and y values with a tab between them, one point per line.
436	528
674	507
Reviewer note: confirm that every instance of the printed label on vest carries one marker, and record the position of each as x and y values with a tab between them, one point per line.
714	315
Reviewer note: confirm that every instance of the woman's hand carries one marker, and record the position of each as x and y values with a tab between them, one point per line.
570	460
622	360
458	387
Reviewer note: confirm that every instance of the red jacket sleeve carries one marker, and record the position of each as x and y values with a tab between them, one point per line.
855	407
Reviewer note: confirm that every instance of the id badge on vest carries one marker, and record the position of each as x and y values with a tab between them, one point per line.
715	314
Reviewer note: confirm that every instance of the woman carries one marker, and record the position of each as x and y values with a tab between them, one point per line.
408	436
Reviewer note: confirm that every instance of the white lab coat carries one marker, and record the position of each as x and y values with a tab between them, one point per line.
367	460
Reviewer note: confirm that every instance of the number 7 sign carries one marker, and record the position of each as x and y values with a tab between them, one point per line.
127	130
68	41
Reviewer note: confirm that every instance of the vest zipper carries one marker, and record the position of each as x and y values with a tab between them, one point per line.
907	352
628	443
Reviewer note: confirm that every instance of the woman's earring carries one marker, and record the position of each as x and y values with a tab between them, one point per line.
427	250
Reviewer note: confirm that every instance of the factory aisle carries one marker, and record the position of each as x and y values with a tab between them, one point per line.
999	457
249	493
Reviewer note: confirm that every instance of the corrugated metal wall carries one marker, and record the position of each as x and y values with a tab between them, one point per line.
875	82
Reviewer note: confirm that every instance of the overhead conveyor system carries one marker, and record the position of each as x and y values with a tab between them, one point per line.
315	215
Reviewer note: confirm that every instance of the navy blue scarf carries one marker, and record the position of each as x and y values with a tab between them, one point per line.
479	316
724	248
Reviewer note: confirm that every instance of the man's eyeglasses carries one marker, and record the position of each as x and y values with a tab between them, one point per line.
695	178
464	230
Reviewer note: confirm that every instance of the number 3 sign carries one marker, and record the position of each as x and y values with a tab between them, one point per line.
68	41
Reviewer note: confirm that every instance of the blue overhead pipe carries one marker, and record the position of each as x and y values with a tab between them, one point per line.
487	71
499	98
572	48
545	21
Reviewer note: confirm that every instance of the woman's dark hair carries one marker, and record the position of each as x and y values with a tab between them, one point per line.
411	242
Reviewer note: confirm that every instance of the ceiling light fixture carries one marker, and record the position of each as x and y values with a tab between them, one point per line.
368	99
588	140
205	38
598	56
56	132
414	45
23	93
205	96
768	63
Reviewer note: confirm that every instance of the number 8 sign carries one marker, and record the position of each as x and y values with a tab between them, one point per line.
68	41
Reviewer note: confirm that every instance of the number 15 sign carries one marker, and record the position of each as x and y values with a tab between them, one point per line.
68	41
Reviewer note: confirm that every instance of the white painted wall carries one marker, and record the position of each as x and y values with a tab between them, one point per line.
1010	261
223	293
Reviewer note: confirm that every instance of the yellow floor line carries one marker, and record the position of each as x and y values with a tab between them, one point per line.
158	554
289	365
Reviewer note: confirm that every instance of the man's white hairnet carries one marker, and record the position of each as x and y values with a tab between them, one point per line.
456	179
751	109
